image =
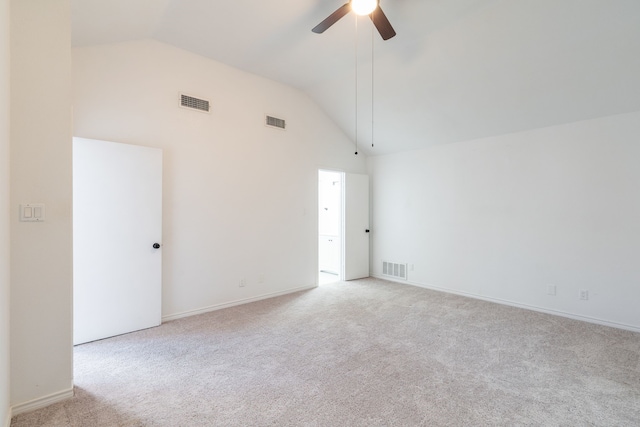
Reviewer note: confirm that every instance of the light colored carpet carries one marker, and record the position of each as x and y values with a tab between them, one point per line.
362	353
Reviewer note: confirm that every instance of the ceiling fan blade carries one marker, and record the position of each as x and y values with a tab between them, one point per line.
382	23
332	19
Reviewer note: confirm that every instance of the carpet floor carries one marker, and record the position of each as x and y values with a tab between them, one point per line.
361	353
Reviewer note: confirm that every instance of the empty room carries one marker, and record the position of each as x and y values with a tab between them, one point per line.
319	213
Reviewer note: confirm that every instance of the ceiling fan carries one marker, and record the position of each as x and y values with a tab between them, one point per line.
360	7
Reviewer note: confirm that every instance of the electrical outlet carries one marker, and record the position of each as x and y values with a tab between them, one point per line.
551	290
243	283
584	295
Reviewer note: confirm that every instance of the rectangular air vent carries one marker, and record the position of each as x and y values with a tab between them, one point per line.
393	269
275	122
194	103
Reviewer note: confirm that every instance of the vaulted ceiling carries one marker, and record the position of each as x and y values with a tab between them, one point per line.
457	69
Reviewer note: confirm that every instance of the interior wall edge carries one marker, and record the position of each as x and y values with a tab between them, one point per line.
40	341
538	309
5	222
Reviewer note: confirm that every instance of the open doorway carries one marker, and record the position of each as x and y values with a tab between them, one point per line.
330	230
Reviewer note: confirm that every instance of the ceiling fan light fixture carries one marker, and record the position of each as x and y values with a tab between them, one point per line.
363	7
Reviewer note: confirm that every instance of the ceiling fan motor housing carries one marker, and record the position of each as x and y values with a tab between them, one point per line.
363	7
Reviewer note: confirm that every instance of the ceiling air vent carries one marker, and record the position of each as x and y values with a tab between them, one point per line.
275	122
194	103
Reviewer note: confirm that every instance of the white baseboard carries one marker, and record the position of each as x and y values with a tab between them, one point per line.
40	402
516	304
7	421
234	303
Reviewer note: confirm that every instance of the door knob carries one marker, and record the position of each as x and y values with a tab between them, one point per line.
156	246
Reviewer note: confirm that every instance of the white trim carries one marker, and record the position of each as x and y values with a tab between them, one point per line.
234	303
41	402
7	421
516	304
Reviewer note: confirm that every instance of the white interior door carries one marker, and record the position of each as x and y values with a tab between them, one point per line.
117	219
356	226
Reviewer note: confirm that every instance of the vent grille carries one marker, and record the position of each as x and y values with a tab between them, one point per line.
194	103
275	122
393	269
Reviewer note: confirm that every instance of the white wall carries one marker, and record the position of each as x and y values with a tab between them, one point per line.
240	199
503	217
41	273
4	211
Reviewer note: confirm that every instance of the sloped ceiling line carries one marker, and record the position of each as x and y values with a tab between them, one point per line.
457	70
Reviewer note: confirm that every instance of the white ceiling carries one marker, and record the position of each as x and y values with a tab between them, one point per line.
457	70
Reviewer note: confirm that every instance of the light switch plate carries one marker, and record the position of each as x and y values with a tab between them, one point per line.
32	212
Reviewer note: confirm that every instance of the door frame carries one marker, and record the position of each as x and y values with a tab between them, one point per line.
341	225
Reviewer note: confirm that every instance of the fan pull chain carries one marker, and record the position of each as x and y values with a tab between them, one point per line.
356	55
372	85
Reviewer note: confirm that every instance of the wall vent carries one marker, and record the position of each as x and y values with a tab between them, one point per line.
393	269
194	103
275	122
